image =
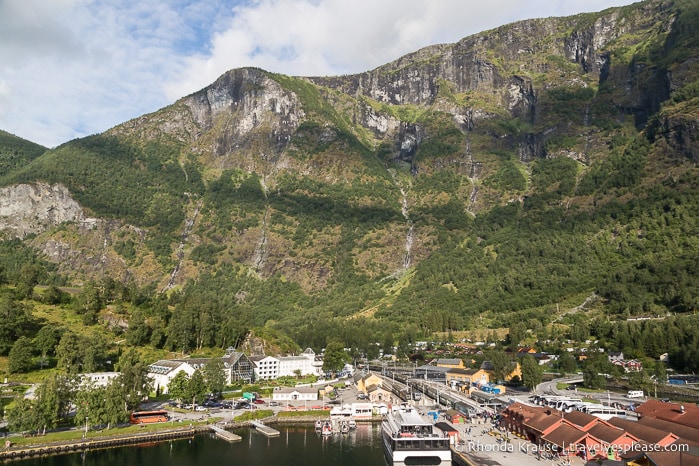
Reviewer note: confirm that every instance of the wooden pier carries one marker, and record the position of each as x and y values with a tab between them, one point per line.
266	430
225	435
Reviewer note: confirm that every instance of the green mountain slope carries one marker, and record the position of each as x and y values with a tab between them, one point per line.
482	182
16	152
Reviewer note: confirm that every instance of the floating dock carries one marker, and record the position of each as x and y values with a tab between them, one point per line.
225	435
266	430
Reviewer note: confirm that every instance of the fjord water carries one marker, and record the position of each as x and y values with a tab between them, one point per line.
295	446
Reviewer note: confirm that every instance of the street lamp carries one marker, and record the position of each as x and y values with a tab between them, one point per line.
86	418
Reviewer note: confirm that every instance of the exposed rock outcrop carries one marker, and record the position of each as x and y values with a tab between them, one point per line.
31	209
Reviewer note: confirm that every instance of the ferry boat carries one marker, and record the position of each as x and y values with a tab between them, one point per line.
410	439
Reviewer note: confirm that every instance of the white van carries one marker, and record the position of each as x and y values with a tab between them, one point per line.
635	394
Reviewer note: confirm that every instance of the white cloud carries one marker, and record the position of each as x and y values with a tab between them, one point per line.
76	67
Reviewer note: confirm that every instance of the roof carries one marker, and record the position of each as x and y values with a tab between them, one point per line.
565	436
451	361
445	427
487	365
292	358
518	409
685	414
664	458
582	420
296	389
434	369
544	420
649	434
374	388
463	371
686	433
164	366
609	434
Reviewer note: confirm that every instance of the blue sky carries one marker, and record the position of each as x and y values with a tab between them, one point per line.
70	68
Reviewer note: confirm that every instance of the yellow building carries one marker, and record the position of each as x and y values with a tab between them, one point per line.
516	371
452	363
368	380
467	377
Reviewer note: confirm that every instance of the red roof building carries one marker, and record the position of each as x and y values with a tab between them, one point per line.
684	414
648	434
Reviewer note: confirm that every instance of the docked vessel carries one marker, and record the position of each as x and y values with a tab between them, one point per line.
327	428
410	439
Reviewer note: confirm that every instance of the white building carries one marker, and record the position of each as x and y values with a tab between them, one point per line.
99	379
295	394
237	367
266	368
164	370
271	367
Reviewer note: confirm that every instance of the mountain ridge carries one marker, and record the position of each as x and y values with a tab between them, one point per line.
414	188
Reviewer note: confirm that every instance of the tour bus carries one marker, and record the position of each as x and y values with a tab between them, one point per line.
147	417
635	394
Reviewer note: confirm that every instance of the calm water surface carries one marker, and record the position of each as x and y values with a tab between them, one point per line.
296	446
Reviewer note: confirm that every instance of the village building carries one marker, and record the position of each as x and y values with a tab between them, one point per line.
295	394
98	379
682	414
466	378
364	381
377	394
237	368
451	363
593	438
265	367
273	367
515	370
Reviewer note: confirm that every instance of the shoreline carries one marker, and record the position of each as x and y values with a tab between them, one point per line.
46	448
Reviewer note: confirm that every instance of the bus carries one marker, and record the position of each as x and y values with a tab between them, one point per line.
148	417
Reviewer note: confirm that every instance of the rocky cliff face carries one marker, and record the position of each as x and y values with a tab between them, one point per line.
31	209
291	174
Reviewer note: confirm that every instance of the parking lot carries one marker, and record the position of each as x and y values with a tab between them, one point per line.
228	409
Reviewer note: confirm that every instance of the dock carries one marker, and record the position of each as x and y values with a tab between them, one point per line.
72	446
225	435
266	430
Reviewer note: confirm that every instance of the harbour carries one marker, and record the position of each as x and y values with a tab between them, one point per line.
295	445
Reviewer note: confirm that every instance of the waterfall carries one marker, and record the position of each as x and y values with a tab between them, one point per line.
411	230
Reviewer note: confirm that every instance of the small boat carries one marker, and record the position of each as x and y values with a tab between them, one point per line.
319	424
327	428
352	424
344	428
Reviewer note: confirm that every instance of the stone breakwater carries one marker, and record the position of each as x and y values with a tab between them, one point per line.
72	446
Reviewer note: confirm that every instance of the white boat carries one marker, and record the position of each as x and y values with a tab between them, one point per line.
352	424
319	424
410	439
327	428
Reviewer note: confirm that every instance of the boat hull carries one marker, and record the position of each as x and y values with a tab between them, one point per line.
400	457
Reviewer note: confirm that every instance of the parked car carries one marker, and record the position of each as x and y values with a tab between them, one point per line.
259	401
201	408
274	403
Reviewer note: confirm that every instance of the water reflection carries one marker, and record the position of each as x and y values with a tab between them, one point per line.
296	446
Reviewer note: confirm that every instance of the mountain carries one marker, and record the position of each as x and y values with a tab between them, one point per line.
545	163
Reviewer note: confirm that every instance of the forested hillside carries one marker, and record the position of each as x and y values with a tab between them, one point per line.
543	172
